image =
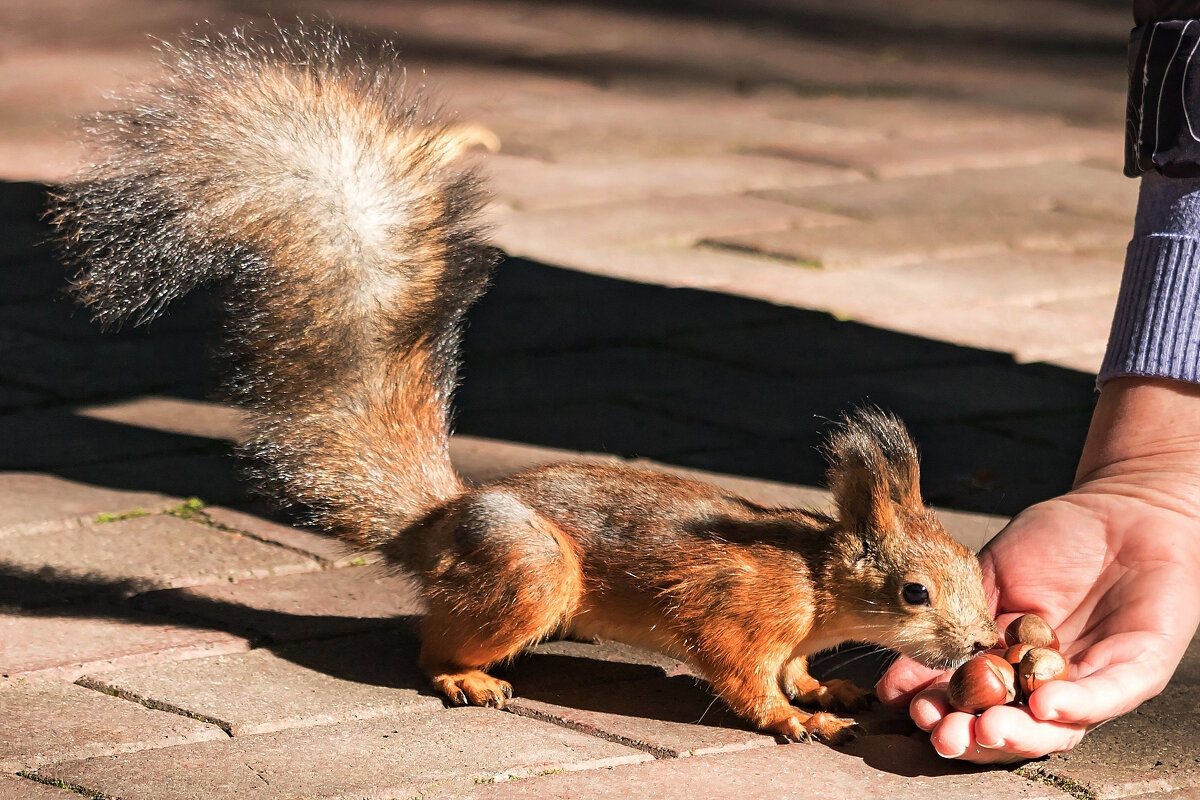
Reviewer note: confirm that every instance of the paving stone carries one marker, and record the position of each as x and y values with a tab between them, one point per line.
1054	281
173	415
483	460
973	529
668	717
53	721
678	220
1006	145
65	644
762	491
28	275
878	766
1154	748
565	664
530	184
53	316
32	503
814	343
148	552
578	123
21	204
326	549
295	686
83	370
1029	334
1086	359
896	241
534	308
673	265
598	427
1091	306
1063	431
882	299
963	467
398	757
294	607
53	438
967	467
213	476
594	375
16	399
1077	188
870	296
899	117
785	408
17	788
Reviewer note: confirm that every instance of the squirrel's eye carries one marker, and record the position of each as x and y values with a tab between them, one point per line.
915	594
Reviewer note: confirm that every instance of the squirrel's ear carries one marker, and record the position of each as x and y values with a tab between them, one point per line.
873	468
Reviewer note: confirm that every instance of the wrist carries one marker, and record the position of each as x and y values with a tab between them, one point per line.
1144	440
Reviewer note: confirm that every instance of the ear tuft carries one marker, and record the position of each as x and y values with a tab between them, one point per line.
873	466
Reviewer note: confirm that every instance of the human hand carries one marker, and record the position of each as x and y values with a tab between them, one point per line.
1114	566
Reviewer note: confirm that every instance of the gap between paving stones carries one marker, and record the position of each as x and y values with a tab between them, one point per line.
44	780
1041	775
95	685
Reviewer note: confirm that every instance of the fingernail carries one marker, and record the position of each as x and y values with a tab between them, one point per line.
990	745
949	755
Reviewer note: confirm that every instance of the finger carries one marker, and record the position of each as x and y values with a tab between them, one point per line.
1013	731
903	680
929	707
954	736
1093	699
1001	735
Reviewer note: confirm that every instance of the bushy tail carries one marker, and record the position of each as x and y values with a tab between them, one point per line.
291	167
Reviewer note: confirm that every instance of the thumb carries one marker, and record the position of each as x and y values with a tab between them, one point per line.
902	681
1106	693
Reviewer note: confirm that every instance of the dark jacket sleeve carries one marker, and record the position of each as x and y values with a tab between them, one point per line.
1162	122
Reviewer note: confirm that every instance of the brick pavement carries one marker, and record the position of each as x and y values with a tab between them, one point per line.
765	214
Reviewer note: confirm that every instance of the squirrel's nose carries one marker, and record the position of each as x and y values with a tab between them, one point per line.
980	647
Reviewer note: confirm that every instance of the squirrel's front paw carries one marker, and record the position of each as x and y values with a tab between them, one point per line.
834	693
473	687
821	726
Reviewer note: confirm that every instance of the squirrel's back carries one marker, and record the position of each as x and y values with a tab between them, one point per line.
294	169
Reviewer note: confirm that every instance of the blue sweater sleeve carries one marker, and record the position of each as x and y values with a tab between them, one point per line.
1156	329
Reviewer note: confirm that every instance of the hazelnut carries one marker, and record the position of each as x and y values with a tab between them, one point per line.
1014	654
1039	666
982	682
1031	629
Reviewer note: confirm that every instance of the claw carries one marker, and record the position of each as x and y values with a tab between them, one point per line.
460	698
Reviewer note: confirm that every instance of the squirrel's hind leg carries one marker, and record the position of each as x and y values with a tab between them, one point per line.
508	579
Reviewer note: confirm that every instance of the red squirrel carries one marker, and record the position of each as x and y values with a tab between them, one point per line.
291	168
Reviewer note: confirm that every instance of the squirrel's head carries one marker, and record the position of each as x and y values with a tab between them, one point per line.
895	574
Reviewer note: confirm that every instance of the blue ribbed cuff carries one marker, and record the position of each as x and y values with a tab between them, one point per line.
1155	330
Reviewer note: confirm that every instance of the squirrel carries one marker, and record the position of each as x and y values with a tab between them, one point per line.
292	168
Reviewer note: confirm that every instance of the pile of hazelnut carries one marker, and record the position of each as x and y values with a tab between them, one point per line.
1031	660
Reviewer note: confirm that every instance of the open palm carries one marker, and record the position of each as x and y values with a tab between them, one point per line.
1114	566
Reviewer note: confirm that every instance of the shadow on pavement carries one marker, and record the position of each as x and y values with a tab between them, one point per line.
563	359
